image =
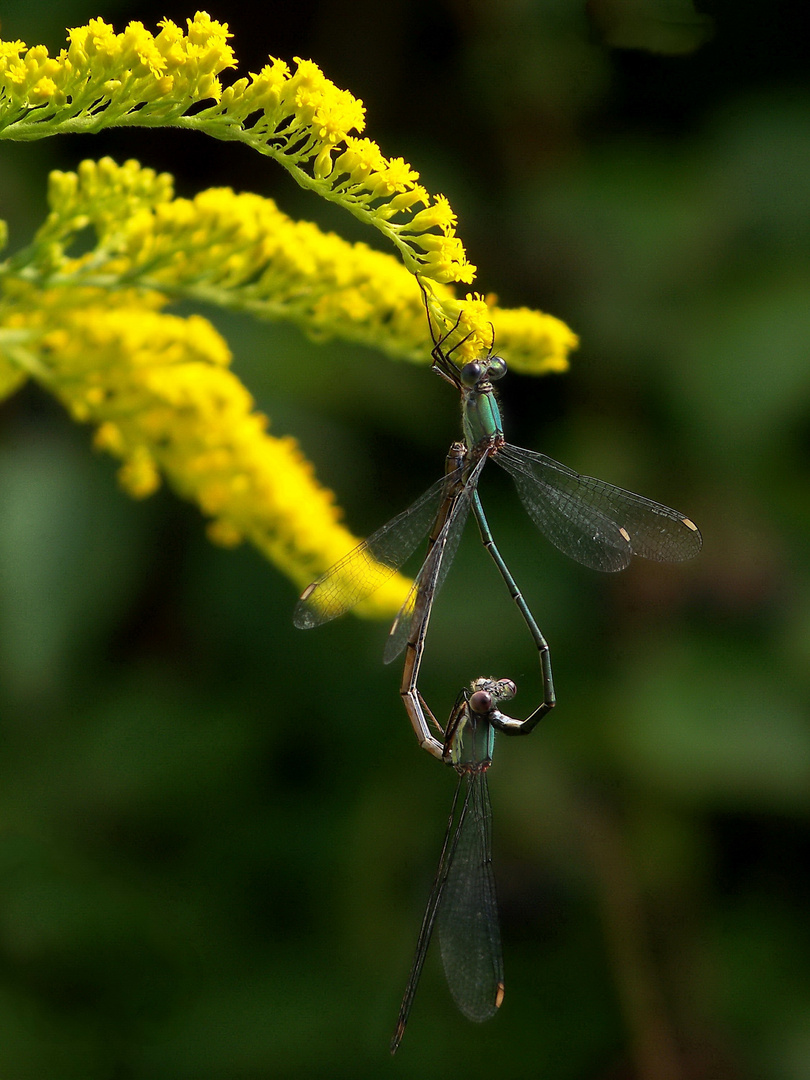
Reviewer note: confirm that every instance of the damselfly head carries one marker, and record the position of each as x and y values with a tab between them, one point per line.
490	369
489	693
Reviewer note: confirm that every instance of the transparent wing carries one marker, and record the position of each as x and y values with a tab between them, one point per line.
434	569
593	522
429	918
469	934
366	567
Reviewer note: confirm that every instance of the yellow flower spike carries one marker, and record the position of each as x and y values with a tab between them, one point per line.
241	252
299	118
160	394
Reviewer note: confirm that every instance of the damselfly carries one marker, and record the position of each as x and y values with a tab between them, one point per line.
462	899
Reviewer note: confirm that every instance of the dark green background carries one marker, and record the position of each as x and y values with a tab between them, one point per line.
217	832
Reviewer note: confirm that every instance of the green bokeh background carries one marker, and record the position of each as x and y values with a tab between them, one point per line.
216	832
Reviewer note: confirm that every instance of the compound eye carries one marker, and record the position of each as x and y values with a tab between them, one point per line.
472	373
506	689
497	368
481	702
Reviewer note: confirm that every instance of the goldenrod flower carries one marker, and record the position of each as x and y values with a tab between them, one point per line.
158	389
299	118
242	252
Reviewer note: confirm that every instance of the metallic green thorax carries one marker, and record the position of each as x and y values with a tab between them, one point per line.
480	415
474	742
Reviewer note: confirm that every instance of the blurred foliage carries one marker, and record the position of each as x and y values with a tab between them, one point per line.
217	832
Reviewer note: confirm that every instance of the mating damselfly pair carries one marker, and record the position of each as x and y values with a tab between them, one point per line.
594	523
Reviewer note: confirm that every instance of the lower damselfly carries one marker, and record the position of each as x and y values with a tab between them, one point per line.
462	901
